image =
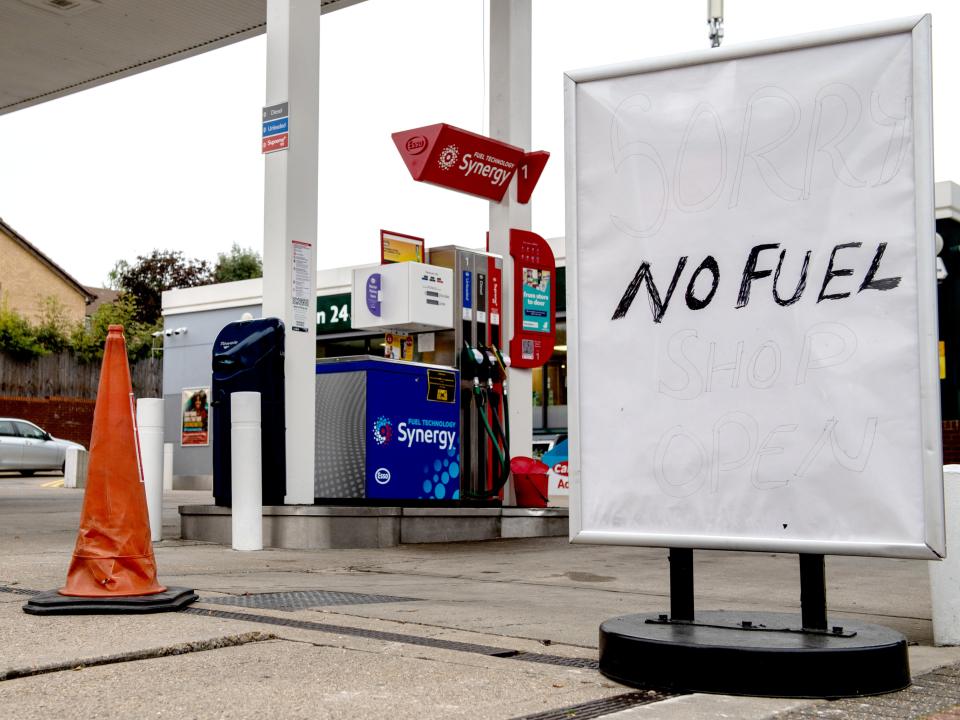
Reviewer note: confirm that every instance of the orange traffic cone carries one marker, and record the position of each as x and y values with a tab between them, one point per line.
113	568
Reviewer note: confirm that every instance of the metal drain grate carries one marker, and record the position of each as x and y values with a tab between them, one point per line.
584	663
599	708
302	599
355	632
18	590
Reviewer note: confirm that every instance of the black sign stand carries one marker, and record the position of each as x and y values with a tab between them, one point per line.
753	653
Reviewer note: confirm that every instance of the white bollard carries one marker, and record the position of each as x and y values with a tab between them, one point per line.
167	467
150	429
945	574
75	468
245	471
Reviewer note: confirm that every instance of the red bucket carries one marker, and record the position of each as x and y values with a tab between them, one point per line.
529	481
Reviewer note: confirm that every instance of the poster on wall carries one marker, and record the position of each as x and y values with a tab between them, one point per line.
397	346
536	300
752	326
397	247
195	417
558	476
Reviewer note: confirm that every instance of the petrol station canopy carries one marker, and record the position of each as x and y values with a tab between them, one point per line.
52	48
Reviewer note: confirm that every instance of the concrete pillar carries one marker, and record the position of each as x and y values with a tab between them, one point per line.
290	223
510	120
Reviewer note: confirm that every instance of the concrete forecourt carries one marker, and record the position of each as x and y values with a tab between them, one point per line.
498	629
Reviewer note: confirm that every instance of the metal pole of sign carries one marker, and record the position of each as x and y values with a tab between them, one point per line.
715	21
681	584
813	592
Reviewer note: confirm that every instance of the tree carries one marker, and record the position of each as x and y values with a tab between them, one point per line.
113	277
54	329
18	337
87	344
25	340
149	276
239	264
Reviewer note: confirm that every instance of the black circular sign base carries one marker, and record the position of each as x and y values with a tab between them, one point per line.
750	653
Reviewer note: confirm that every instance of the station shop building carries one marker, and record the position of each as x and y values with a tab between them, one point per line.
192	318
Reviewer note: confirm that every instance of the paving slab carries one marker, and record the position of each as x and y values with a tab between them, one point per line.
290	679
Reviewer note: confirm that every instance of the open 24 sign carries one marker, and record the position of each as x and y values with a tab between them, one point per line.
333	314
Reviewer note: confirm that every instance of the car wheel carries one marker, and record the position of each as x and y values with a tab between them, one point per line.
27	473
63	468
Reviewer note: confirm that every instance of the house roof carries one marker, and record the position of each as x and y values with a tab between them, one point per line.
56	269
101	296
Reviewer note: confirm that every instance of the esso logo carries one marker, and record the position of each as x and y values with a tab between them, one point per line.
416	145
382	476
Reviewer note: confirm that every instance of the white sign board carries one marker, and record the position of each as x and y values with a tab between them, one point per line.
752	324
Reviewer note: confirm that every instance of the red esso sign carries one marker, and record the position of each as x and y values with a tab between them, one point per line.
461	160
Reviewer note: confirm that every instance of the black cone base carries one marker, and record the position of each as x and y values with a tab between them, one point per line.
716	655
53	603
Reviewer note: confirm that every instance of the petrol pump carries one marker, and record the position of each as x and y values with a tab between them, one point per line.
475	347
372	407
454	306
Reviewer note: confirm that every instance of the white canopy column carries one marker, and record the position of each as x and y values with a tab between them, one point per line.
290	224
510	121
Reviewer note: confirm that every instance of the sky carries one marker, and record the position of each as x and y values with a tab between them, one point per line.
119	170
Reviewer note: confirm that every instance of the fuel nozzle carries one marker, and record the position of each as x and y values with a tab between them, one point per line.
501	363
492	365
473	363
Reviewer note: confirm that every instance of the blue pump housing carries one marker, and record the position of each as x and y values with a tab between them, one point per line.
387	430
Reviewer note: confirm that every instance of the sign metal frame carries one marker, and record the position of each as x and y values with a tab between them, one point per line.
930	542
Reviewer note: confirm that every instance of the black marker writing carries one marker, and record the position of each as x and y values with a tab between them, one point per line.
801	284
884	283
693	302
657	306
831	273
750	272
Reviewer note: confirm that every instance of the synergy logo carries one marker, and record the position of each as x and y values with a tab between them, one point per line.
499	171
449	156
424	431
382	430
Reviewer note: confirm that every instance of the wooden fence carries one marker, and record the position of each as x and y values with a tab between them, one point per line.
62	376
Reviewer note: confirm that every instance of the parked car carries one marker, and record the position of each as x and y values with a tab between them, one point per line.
26	448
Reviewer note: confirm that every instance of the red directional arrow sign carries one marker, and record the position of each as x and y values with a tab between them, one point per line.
445	155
